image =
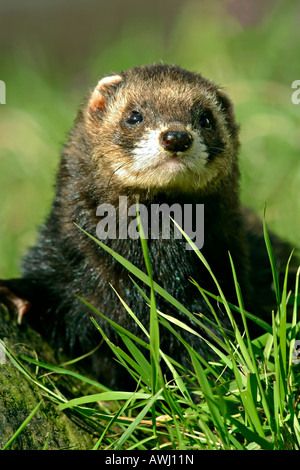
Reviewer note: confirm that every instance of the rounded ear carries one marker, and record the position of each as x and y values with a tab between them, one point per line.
226	104
103	89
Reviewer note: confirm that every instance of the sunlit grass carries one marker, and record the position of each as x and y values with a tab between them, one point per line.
246	399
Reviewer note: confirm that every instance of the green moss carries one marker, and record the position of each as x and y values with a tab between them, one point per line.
19	395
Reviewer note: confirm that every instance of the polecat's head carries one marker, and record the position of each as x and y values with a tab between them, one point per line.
161	128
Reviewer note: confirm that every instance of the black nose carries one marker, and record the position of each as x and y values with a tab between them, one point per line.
176	141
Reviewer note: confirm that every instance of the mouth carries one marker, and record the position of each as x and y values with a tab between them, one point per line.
173	163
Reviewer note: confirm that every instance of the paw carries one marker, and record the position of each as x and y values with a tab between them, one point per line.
11	297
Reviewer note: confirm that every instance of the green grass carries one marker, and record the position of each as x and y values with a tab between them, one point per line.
246	399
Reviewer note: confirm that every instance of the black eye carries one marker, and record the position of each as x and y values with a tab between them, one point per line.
134	118
205	122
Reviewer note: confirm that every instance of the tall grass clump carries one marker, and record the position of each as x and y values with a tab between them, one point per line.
246	398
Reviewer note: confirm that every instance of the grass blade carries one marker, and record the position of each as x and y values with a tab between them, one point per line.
23	425
156	374
131	428
272	259
105	396
211	400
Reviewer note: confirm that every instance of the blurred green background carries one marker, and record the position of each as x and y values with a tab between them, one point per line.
53	52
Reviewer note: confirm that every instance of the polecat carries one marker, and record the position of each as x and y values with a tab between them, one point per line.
162	135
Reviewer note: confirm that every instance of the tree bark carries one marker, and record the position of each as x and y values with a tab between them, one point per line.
49	427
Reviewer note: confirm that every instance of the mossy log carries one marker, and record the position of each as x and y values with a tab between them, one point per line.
49	427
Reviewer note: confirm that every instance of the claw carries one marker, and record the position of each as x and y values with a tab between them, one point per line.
19	304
